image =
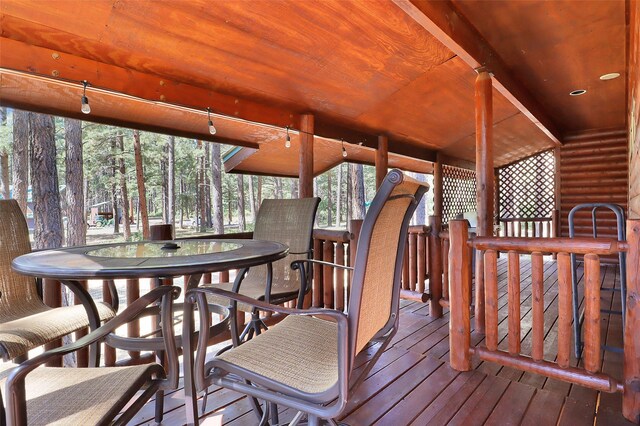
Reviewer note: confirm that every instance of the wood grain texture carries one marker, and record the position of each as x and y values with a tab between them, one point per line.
564	309
491	298
591	324
633	109
514	303
631	400
459	300
537	296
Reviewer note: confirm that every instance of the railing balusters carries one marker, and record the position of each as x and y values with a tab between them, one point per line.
422	262
564	309
318	293
327	273
514	302
412	261
537	296
592	337
491	298
340	276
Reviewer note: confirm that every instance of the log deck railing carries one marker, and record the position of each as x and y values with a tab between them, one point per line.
590	376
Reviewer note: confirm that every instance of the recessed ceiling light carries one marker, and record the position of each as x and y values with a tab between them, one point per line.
610	76
578	92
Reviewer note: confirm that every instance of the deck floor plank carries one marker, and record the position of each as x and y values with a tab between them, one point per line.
412	382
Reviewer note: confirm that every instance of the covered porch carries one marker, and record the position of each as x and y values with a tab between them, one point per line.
520	113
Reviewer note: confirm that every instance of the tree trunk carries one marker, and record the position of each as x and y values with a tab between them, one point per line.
171	180
181	202
294	188
357	187
329	201
339	196
229	205
126	217
206	182
252	200
202	210
241	219
259	193
48	231
20	158
278	184
114	190
165	183
142	190
4	174
5	178
216	189
76	221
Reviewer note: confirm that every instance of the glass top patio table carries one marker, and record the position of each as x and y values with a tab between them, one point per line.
150	259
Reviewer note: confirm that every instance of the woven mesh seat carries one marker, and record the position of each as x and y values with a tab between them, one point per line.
286	221
305	362
300	352
38	395
79	396
25	321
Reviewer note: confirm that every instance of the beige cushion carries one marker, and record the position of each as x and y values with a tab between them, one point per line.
300	352
20	335
77	396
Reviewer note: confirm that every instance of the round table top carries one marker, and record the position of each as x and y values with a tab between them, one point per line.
150	259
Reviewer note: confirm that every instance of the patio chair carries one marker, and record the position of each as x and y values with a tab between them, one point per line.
289	222
306	361
25	321
37	395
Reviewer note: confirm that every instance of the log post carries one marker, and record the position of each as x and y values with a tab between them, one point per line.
631	395
484	180
435	267
459	302
382	159
305	170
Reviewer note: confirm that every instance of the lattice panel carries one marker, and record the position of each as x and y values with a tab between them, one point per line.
527	187
458	192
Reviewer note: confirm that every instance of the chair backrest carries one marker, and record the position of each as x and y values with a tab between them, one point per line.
18	293
375	288
289	222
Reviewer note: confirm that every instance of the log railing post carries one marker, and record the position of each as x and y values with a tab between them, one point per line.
435	266
459	302
631	396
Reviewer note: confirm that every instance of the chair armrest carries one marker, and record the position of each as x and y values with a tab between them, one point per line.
263	306
319	262
130	313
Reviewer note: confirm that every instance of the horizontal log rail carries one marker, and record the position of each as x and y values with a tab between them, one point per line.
589	372
599	246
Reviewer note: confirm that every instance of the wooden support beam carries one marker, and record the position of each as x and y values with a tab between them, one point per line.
459	302
19	56
306	156
453	30
484	181
438	196
382	159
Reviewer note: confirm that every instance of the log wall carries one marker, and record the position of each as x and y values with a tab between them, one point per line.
593	169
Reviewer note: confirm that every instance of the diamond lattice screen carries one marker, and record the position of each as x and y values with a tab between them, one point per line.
527	187
458	192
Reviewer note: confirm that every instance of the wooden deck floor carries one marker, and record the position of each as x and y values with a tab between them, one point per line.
412	383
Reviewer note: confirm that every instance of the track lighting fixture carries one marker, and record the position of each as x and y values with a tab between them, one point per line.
287	141
85	108
212	128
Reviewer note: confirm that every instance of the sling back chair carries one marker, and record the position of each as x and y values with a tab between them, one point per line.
289	222
25	321
37	395
305	362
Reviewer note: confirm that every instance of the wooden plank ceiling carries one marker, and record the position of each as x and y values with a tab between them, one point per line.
362	69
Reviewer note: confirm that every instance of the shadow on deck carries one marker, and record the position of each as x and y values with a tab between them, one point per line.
412	383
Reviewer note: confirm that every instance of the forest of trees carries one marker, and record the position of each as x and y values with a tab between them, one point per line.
71	165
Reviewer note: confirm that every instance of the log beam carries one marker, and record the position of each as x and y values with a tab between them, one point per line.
306	156
631	393
484	181
453	30
382	159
